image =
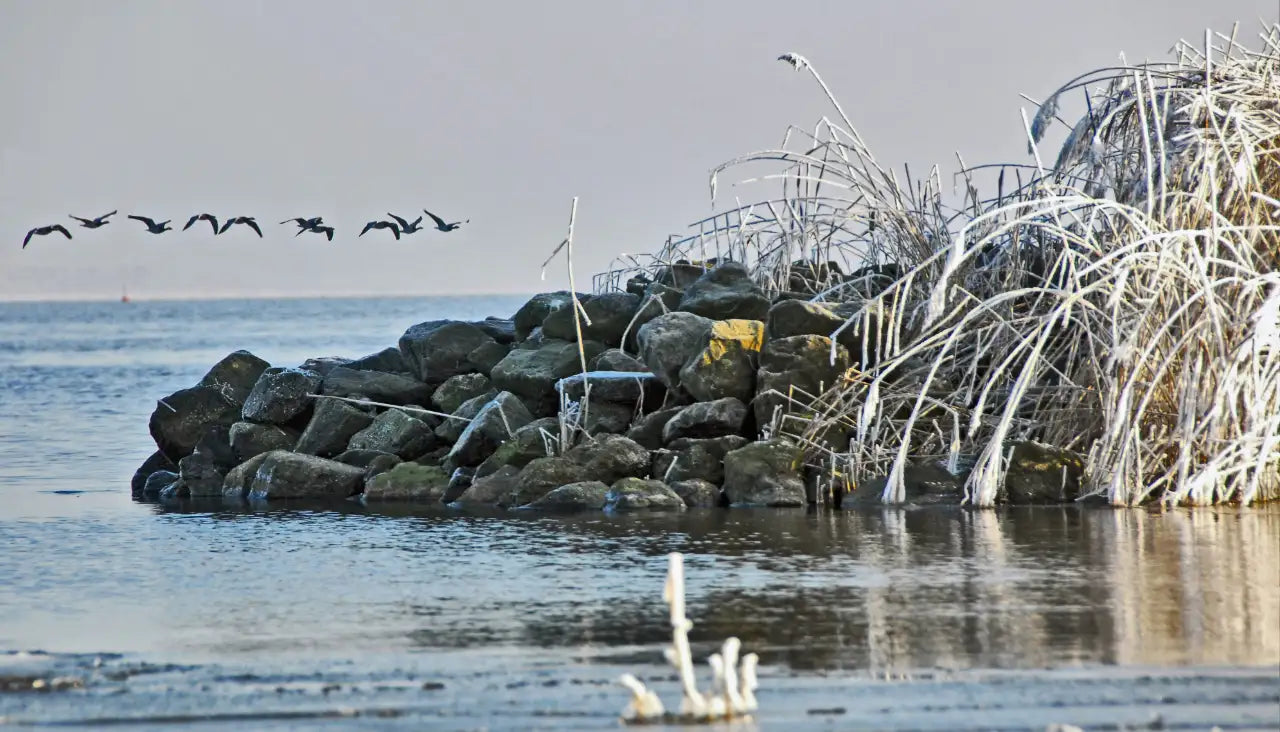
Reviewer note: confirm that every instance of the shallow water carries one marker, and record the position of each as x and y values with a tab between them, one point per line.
306	616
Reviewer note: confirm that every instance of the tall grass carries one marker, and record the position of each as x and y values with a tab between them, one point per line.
1120	298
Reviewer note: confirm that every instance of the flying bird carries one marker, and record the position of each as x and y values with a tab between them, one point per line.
326	230
45	230
246	220
152	226
381	225
305	224
441	225
95	223
405	226
213	221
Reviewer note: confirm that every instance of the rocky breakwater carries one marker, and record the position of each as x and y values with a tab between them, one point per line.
691	380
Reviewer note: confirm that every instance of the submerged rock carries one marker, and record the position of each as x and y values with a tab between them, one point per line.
438	349
1040	473
235	375
638	494
238	479
158	481
280	395
408	482
724	293
697	493
285	475
588	494
765	473
183	417
707	419
459	481
156	462
332	426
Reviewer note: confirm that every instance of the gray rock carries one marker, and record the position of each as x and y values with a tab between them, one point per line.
235	375
528	443
496	423
238	479
174	491
362	458
765	473
459	482
647	430
491	489
202	471
668	342
726	292
543	475
157	481
697	493
158	461
727	366
795	317
251	438
501	330
457	389
1040	473
619	387
798	365
532	374
638	494
389	360
610	458
438	349
610	314
707	419
452	428
408	482
183	417
615	359
532	313
688	459
284	475
487	355
680	275
323	365
332	426
280	396
608	418
585	495
923	482
396	432
810	278
380	386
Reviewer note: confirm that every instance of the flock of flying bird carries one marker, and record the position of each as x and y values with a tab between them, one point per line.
315	225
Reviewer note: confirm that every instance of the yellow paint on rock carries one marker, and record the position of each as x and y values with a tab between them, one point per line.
747	335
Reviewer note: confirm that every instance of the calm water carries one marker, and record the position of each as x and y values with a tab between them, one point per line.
306	617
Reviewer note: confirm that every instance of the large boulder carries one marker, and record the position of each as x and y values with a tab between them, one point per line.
236	375
726	292
332	426
1040	473
535	311
202	471
183	417
607	417
293	475
280	395
698	493
688	459
501	330
647	430
619	387
790	318
487	355
638	494
610	458
396	432
541	476
609	315
389	360
765	473
792	371
727	366
238	479
252	438
531	374
493	425
707	419
322	365
452	427
408	482
156	462
491	489
585	495
438	349
457	389
669	341
527	444
160	482
380	386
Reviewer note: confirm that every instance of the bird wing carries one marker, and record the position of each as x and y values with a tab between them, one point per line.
104	217
191	221
328	231
60	227
439	221
149	222
83	221
416	222
254	225
27	239
297	221
226	225
394	230
213	221
400	221
370	225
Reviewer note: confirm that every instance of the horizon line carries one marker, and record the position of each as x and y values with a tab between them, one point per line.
281	296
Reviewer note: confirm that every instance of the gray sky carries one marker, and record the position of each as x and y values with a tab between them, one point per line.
497	112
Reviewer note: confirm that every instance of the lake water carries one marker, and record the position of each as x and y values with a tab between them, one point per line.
304	617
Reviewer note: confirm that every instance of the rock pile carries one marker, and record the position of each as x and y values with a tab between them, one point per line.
684	375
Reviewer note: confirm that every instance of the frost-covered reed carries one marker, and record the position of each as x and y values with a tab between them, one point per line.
1119	298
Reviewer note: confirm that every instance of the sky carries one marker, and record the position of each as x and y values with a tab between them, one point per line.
500	113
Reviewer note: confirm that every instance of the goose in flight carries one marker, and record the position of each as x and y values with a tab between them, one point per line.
407	227
45	230
441	225
381	225
326	230
305	224
94	223
246	220
213	221
152	226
